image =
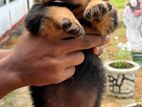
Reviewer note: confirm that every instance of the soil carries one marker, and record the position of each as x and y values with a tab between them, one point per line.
121	65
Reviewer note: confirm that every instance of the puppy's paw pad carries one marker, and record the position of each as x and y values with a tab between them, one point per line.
97	11
72	27
66	24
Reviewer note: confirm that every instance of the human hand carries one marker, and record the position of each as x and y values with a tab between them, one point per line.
99	49
37	61
41	62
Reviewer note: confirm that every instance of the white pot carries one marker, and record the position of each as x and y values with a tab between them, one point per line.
135	104
121	81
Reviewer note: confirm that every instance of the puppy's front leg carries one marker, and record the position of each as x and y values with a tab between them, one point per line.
53	22
61	18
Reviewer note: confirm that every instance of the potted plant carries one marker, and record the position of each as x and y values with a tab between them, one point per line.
121	73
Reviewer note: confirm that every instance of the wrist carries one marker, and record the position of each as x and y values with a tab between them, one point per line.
4	53
9	79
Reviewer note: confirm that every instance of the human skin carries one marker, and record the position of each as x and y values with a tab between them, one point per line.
36	61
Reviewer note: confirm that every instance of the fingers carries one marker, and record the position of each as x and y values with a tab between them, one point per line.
66	74
106	39
69	62
86	42
73	59
69	72
99	50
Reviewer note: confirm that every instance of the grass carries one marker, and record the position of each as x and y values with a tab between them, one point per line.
119	4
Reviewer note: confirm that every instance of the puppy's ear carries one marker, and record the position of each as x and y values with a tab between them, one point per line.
33	19
33	24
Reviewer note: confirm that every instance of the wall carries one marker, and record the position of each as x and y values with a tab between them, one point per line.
11	11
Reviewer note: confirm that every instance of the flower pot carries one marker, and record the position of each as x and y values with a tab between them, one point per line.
135	104
121	81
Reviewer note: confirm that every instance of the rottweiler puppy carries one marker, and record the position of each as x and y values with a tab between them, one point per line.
60	18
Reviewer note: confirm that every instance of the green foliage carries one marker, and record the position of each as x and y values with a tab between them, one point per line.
121	53
119	4
121	65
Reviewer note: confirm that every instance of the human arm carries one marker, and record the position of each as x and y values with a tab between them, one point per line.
37	61
5	52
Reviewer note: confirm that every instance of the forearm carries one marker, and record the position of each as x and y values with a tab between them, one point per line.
8	78
5	52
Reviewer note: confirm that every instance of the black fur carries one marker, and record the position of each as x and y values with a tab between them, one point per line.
115	18
34	19
85	22
89	75
67	4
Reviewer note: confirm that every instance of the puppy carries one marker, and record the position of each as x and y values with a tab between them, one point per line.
59	18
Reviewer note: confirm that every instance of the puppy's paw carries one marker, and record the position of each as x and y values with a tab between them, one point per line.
107	24
72	27
97	10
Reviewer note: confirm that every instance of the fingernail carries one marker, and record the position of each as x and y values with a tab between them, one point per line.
107	39
98	50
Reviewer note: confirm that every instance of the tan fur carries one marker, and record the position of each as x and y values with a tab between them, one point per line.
53	24
104	24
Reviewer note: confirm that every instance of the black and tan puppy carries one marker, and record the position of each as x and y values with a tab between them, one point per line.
59	18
